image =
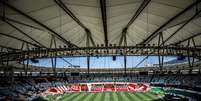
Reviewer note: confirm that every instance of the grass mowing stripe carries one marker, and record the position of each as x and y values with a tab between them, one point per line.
123	94
71	95
100	96
107	96
119	96
148	94
114	96
143	96
111	97
79	97
86	94
86	98
132	97
138	97
66	95
57	98
93	97
161	96
157	96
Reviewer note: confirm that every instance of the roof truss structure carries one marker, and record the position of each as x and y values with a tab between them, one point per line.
41	24
70	13
156	32
134	17
104	20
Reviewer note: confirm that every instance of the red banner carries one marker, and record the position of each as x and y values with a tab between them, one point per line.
121	87
99	87
84	87
109	87
74	87
96	87
132	87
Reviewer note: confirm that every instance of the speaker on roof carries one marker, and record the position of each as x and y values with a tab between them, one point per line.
143	73
181	58
114	58
75	74
34	60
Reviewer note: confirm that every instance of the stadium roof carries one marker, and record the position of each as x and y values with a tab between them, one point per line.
72	22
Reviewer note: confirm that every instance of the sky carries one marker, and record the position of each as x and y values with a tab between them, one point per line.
102	62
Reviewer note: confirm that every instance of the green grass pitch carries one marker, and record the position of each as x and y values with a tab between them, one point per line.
107	96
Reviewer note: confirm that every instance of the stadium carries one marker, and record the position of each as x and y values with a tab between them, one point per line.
100	50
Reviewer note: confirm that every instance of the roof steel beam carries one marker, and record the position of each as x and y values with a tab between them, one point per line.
70	13
21	23
182	22
197	13
156	32
10	36
172	35
8	47
104	20
39	23
123	36
90	37
112	51
186	39
138	12
15	27
135	16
